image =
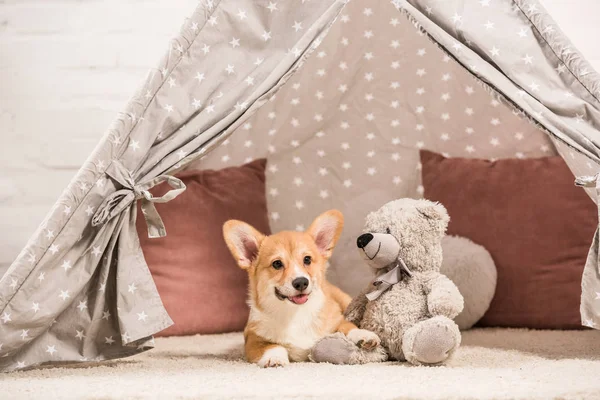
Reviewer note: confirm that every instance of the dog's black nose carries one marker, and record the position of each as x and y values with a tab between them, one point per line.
300	284
363	240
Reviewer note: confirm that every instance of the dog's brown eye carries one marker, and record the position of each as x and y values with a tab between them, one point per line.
277	264
307	260
388	231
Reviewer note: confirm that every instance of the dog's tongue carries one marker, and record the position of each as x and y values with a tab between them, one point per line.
299	299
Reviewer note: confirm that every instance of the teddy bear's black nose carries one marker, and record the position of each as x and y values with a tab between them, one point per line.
363	240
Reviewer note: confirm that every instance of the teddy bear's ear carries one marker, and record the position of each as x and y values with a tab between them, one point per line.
435	211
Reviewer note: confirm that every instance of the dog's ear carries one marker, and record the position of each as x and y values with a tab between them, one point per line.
243	242
326	230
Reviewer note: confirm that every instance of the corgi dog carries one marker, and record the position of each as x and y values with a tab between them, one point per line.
292	305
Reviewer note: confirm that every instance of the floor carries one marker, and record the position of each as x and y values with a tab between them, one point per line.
491	364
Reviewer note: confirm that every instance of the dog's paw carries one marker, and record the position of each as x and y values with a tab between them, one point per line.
274	357
363	338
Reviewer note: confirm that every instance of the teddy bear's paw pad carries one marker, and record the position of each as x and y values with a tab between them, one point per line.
274	357
434	344
364	339
335	349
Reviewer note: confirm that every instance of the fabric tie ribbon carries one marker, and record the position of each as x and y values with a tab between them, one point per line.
588	181
115	203
384	282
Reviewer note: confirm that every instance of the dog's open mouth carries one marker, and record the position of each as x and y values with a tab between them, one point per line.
297	299
374	255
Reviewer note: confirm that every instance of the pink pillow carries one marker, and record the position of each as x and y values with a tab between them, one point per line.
202	288
534	221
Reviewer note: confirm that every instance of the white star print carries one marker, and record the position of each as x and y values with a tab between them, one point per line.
109	340
64	294
82	305
142	316
347	183
125	337
395	44
272	6
106	315
53	249
397	180
299	205
230	69
528	59
469	111
51	350
266	35
131	288
421	72
234	42
89	211
495	51
489	25
41	276
323	194
24	334
484	3
457	19
297	26
206	49
534	87
66	265
49	234
323	171
495	142
35	307
67	210
13	283
79	335
5	317
241	14
135	145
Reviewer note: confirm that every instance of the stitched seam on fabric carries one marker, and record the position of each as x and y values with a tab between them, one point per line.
120	152
533	24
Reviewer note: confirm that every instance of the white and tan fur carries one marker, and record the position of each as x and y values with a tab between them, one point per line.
288	318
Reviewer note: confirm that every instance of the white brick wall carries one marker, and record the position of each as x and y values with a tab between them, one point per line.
68	66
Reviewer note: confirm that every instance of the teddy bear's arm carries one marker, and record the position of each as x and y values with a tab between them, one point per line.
355	310
443	297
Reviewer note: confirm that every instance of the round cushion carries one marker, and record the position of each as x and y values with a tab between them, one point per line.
472	269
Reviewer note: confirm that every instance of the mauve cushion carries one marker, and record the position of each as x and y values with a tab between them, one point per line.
534	221
201	286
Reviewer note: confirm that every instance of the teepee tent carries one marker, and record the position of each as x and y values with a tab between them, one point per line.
339	96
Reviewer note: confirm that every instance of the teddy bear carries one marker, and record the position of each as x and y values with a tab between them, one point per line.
410	305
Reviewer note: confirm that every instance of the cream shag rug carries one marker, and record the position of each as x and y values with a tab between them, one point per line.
491	364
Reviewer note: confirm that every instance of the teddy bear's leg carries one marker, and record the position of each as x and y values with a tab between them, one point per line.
338	349
431	341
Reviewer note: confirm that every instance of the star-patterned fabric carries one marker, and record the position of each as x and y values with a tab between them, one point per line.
81	291
339	96
346	130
